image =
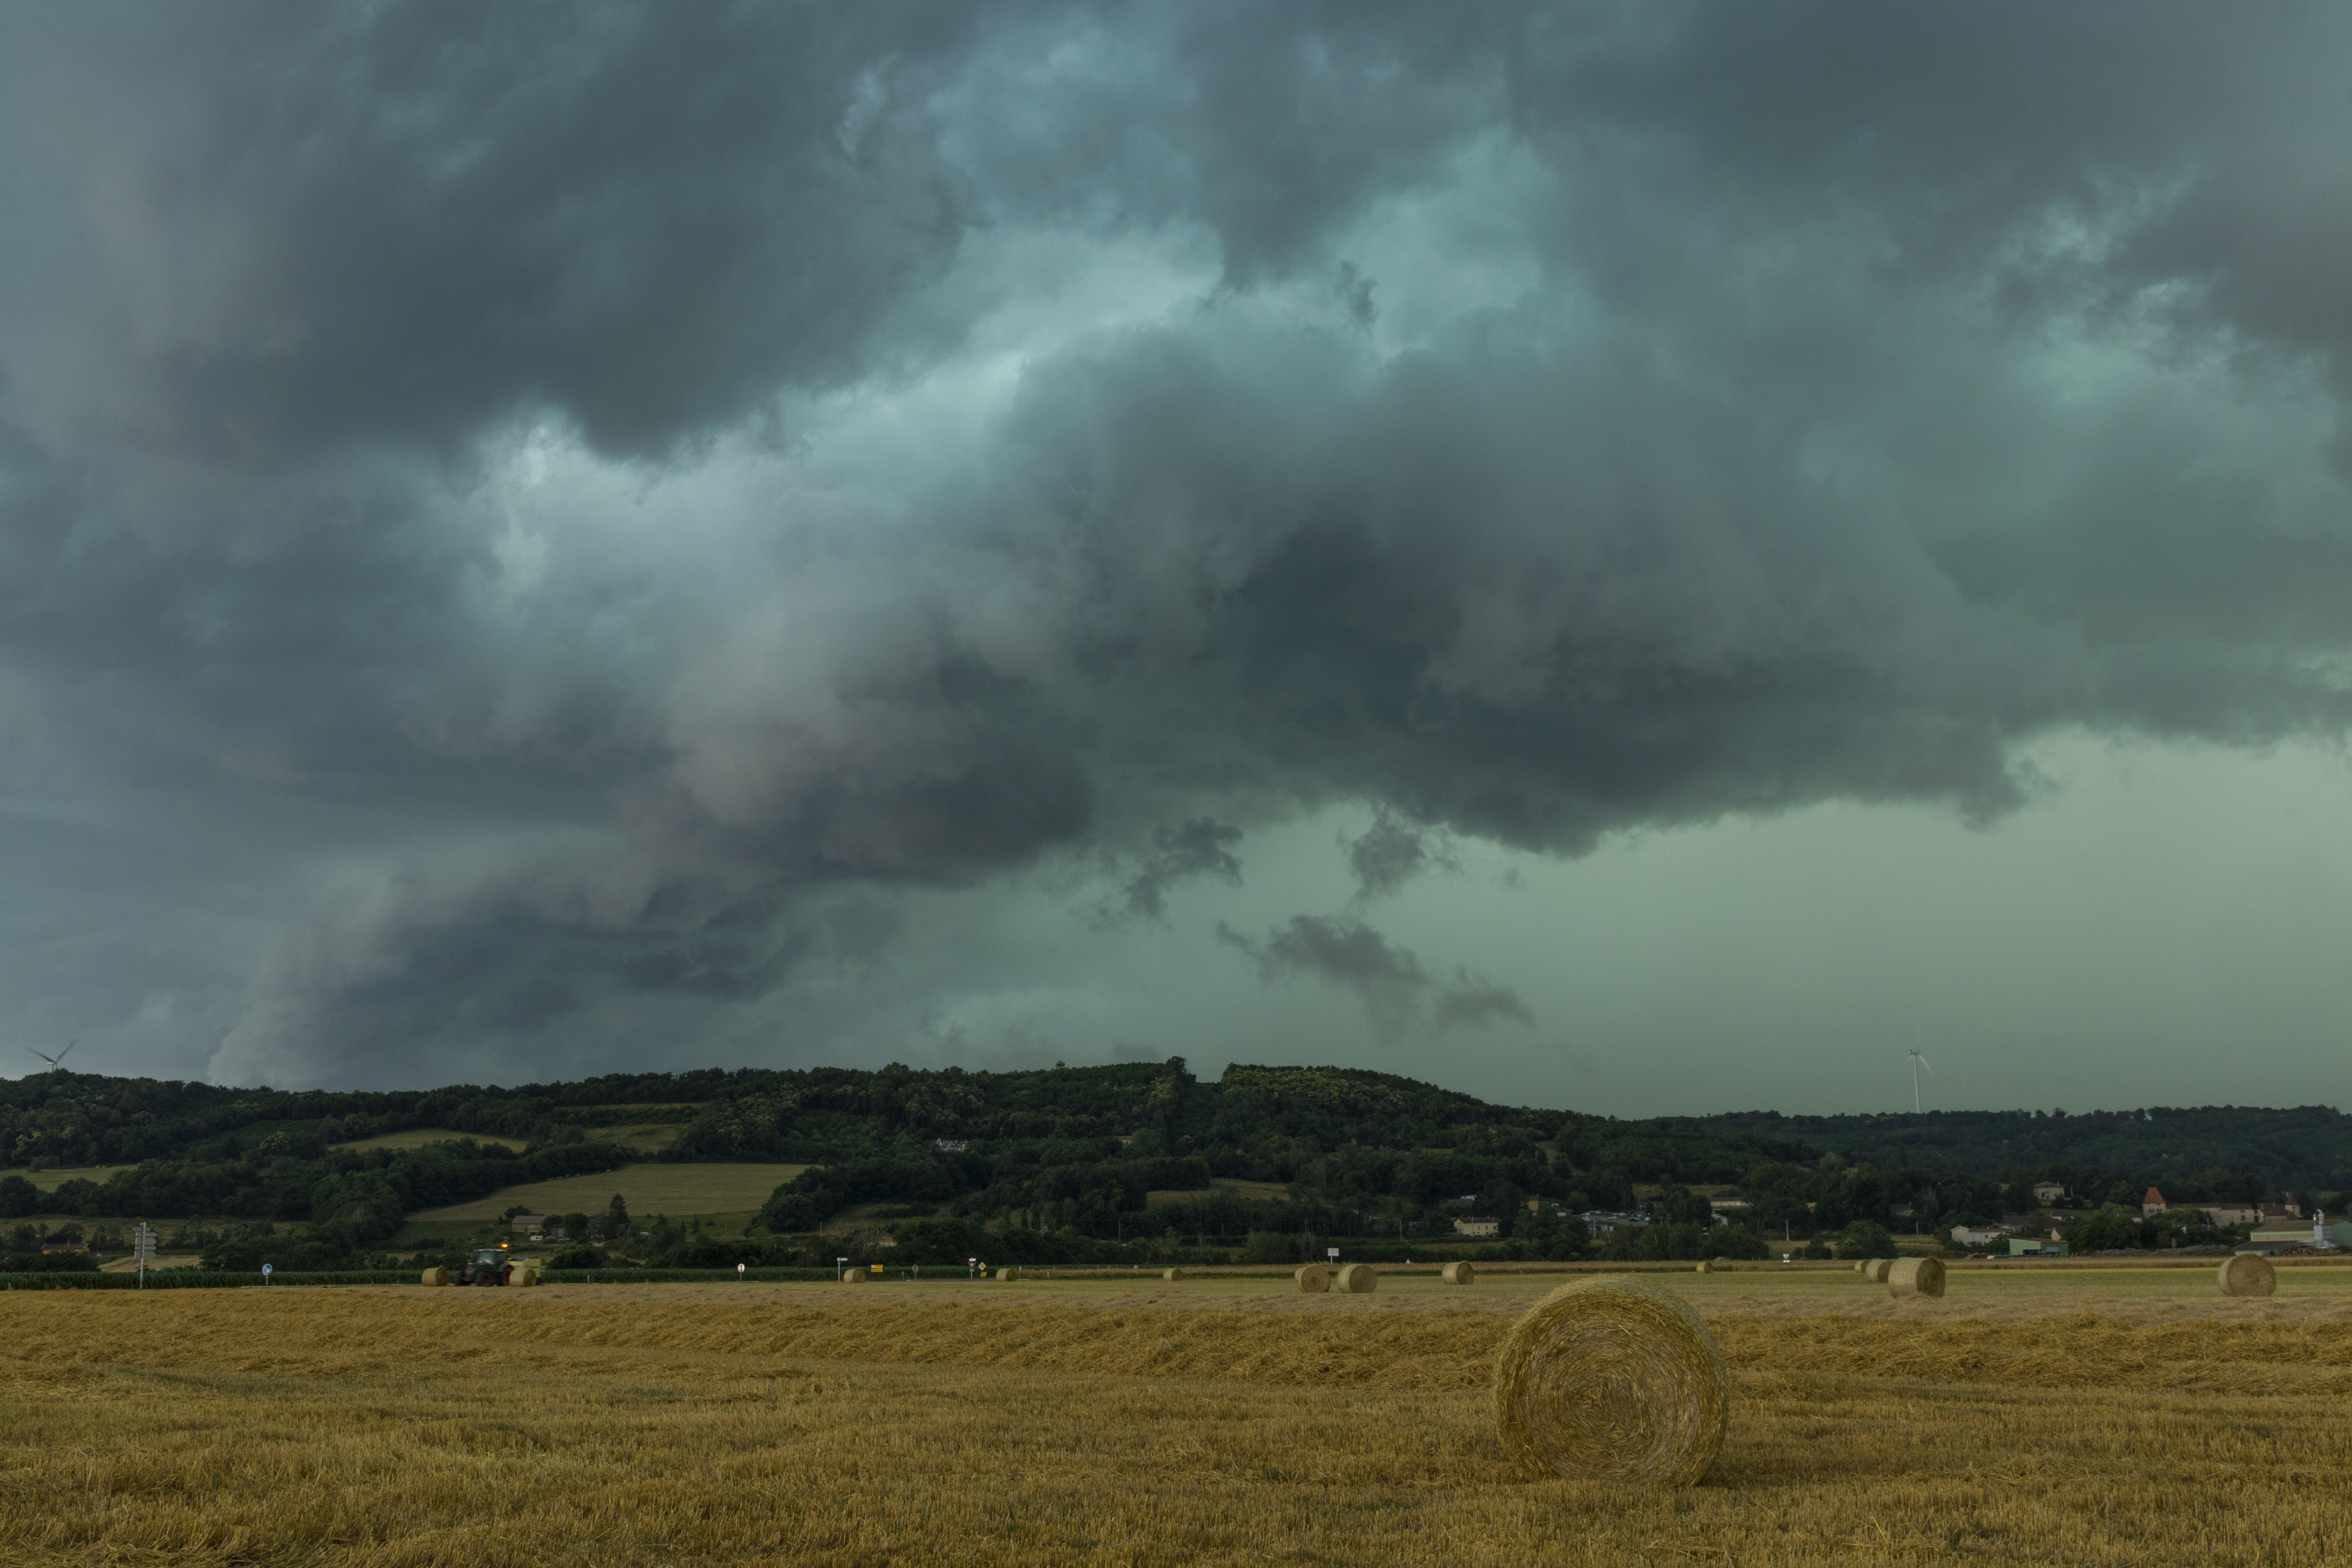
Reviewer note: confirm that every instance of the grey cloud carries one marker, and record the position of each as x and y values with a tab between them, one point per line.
1397	992
1388	854
1475	1002
1564	420
1195	848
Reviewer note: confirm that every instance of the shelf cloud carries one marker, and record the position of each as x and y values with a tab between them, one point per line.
610	509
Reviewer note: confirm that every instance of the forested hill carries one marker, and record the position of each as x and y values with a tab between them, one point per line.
2306	1149
1369	1148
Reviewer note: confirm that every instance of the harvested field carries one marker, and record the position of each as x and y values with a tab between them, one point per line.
677	1191
1145	1422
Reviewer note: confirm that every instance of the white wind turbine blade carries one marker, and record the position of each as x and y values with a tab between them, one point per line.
1925	1063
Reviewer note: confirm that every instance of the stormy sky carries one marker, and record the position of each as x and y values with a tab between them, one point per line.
1642	557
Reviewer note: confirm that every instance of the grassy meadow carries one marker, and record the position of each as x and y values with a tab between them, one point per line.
2022	1420
678	1190
418	1137
49	1181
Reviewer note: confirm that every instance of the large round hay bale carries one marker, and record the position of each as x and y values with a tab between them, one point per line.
1861	1267
1006	1273
1314	1279
1875	1272
1611	1379
1459	1273
1356	1280
2247	1275
436	1276
853	1276
1705	1266
1917	1277
523	1277
1173	1275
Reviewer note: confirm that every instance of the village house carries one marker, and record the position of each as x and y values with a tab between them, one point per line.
1974	1237
2049	1192
2231	1214
2271	1214
1477	1224
2152	1204
1727	1208
528	1223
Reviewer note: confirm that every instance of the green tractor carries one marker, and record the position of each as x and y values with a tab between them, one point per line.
496	1265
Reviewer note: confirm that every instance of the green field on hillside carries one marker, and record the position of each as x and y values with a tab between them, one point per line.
677	1191
418	1137
50	1181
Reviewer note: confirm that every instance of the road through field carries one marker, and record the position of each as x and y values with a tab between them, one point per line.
1087	1422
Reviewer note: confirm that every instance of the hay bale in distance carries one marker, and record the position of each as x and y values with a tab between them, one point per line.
1458	1273
1611	1379
1861	1267
1314	1279
1356	1280
436	1276
523	1277
855	1274
1875	1271
1007	1273
1915	1277
1705	1266
1173	1275
2248	1275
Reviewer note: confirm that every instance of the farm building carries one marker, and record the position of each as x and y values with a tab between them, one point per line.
1477	1224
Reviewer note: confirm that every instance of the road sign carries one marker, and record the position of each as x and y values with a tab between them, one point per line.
143	1247
1332	1253
265	1273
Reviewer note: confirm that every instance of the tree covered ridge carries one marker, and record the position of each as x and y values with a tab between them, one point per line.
1083	1153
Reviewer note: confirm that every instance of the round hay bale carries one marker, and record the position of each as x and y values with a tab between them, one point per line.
524	1277
1875	1271
1460	1273
856	1275
1610	1379
1005	1273
436	1276
1173	1275
1705	1266
1356	1280
1861	1267
1314	1279
2247	1275
1917	1277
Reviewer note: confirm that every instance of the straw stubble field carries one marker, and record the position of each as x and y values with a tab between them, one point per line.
2094	1420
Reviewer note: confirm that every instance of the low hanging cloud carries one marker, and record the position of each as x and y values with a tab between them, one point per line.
1398	994
1201	847
732	446
1390	853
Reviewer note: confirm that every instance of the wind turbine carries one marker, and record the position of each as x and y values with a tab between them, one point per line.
1917	1061
54	1060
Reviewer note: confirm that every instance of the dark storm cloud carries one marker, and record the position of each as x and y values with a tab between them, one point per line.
1575	419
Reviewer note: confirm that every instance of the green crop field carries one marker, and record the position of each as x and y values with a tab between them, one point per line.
677	1191
50	1181
418	1137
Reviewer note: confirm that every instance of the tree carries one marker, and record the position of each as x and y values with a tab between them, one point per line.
616	1218
1864	1238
